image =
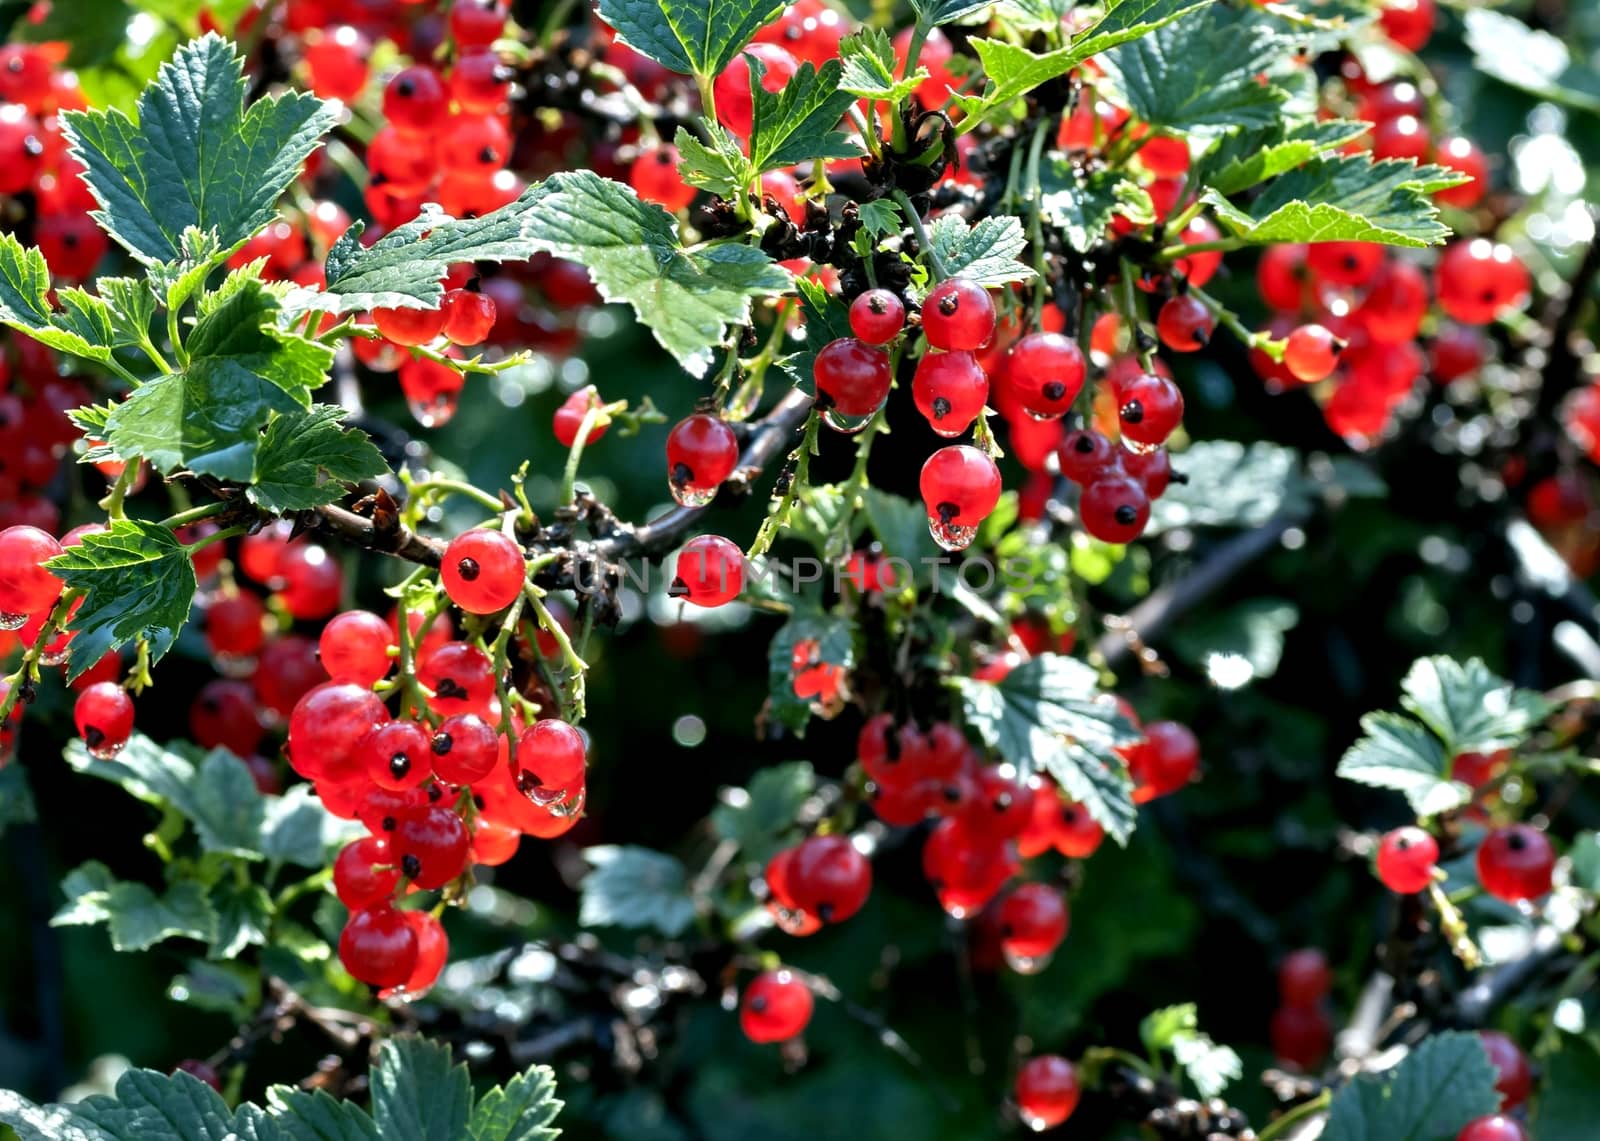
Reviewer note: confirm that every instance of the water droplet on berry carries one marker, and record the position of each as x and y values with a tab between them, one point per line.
53	658
1044	417
1026	964
1034	1122
849	425
235	665
435	412
950	536
105	750
10	621
691	496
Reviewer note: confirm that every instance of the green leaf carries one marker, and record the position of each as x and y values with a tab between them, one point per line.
1439	1087
834	635
827	318
721	168
244	913
1470	708
178	280
986	253
229	988
1347	198
205	419
1082	205
871	69
139	584
148	1106
1396	752
901	527
1201	74
762	818
88	891
932	13
1585	856
522	1110
240	322
143	769
692	37
635	887
197	157
1565	1110
1243	643
306	459
226	807
1245	158
1530	60
418	1093
1177	1028
297	829
33	1122
878	218
1048	714
25	306
1230	485
139	918
800	121
318	1116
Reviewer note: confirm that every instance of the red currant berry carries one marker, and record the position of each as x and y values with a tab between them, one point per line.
551	755
25	585
1199	268
480	83
364	873
1513	1075
1344	263
709	571
395	755
1311	353
223	716
731	91
702	451
477	23
1463	156
104	715
1300	1036
326	727
950	389
415	100
569	417
1406	859
852	378
828	878
1166	761
655	176
1515	863
494	844
877	316
781	904
1185	325
960	487
259	553
1045	373
461	677
286	671
1477	280
1000	807
1395	305
1304	978
477	148
1149	409
433	950
1114	508
1047	1091
483	571
337	61
1077	834
200	1071
431	845
1165	157
1085	455
465	749
409	326
958	315
71	243
965	870
354	647
1153	469
1033	921
1281	277
310	581
378	947
1403	136
776	1007
1408	23
235	631
469	316
1496	1128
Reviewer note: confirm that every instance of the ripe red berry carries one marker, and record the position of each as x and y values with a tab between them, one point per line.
958	315
781	905
1496	1128
551	755
433	949
104	715
415	100
326	726
775	1008
950	390
235	630
569	417
483	571
477	23
310	582
364	873
480	83
1077	834
999	806
1513	1075
1463	156
1311	352
1478	279
1085	455
1044	374
731	91
877	316
1515	863
702	451
286	671
378	947
1343	263
960	487
464	749
354	647
828	878
1184	324
1408	23
1047	1091
432	846
1395	305
966	870
709	571
852	378
1403	136
395	755
469	316
1300	1036
25	584
1164	762
1149	409
1303	977
1406	859
409	326
655	177
493	844
475	149
1114	508
1281	277
460	676
1153	469
223	715
337	61
1033	921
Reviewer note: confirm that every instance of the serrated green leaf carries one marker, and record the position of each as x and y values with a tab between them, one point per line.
826	318
297	829
521	1110
1348	198
418	1092
225	806
241	321
244	913
1230	485
691	37
721	168
233	989
1048	715
1440	1086
879	218
871	69
1530	60
139	919
635	887
800	121
1470	708
932	13
306	459
761	820
177	281
33	1122
986	253
834	635
1245	158
87	889
25	306
138	582
148	1106
1083	204
1177	1028
197	157
316	1115
1396	752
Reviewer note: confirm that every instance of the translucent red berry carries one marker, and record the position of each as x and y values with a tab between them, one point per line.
958	315
735	106
1408	23
327	725
1303	977
1476	280
709	571
1167	759
378	947
1281	276
702	451
1406	859
223	715
364	873
776	1007
415	100
828	878
477	23
1033	922
1047	1091
1300	1036
1184	324
1513	1074
1044	374
960	487
431	846
877	316
480	82
433	950
310	582
469	316
25	585
656	177
1496	1128
1463	156
395	755
1114	508
1515	863
235	630
354	647
1311	352
1344	263
950	390
104	716
569	417
1085	455
460	676
1149	409
852	380
551	755
337	61
483	570
409	326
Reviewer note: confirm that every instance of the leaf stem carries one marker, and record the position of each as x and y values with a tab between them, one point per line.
220	536
112	503
422	489
779	515
1041	288
1173	253
1230	320
1295	1116
935	262
569	473
575	706
193	515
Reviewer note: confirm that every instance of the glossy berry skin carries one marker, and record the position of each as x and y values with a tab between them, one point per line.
493	844
480	83
960	486
104	716
432	846
1185	325
1149	408
378	947
415	100
286	670
483	571
735	106
1047	1091
655	176
1033	921
569	417
1463	156
326	727
234	626
781	904
775	1008
460	676
1304	978
1478	279
477	23
469	317
702	451
1496	1128
354	647
999	808
1408	23
1281	276
1085	455
710	571
409	326
1406	859
950	390
395	755
852	378
1167	760
1114	508
1152	469
1515	863
551	754
364	873
310	581
1077	835
433	951
223	715
25	585
1344	263
464	749
826	877
1311	352
1395	305
965	870
877	316
337	61
1513	1075
958	315
1044	374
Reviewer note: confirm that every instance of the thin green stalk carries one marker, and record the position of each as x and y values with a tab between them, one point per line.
426	488
1137	331
569	473
28	668
935	262
779	515
575	706
219	536
1041	287
1173	253
112	503
1230	321
1295	1116
193	515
